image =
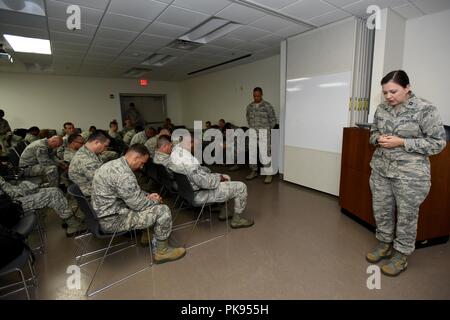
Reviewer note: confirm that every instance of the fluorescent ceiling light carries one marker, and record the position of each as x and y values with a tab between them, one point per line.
297	79
136	72
29	45
35	7
158	60
333	84
212	29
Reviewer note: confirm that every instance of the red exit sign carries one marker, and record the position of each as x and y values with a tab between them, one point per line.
143	82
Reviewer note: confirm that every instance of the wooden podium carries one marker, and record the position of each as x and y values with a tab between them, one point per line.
355	197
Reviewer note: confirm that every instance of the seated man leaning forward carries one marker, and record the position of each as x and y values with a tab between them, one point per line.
122	206
209	187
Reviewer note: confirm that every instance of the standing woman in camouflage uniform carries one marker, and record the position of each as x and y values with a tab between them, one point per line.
406	131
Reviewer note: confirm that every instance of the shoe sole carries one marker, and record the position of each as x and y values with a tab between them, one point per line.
169	260
243	226
394	275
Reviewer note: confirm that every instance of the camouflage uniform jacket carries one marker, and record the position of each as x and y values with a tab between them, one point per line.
69	154
30	138
116	191
140	137
82	169
4	127
128	136
37	152
200	177
418	122
262	116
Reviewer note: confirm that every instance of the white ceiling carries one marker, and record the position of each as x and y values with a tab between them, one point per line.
117	35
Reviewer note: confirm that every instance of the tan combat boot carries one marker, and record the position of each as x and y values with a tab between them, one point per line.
165	253
381	251
252	175
395	265
240	222
74	227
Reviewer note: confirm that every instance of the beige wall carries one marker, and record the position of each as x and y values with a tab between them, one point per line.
225	94
48	101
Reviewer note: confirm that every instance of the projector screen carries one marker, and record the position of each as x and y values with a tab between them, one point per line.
317	111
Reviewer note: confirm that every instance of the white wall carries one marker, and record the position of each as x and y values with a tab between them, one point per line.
426	59
324	51
49	101
226	94
387	53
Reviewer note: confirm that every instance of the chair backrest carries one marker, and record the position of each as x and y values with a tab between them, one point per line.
151	170
14	157
165	179
21	145
91	216
185	189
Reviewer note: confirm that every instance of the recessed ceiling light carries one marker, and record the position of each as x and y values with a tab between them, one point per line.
29	45
24	6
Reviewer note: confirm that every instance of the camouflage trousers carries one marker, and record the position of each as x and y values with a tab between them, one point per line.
127	220
47	198
404	196
51	172
226	191
254	166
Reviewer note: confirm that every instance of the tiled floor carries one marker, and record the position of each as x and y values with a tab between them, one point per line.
301	247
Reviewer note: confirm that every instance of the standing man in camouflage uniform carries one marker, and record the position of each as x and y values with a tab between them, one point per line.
33	198
260	115
406	131
38	159
5	132
210	187
75	142
86	161
121	205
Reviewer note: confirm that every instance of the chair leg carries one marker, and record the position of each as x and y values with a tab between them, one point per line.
24	283
177	212
195	225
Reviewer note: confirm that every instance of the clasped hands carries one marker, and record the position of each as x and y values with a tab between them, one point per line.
387	141
155	197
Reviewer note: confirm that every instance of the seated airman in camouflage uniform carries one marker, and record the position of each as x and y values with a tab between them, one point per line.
38	159
33	198
86	161
75	142
209	187
32	135
121	205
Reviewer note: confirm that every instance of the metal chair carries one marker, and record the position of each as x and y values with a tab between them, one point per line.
187	195
17	265
25	227
93	225
167	182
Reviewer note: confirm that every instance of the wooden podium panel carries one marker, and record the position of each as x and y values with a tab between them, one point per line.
355	196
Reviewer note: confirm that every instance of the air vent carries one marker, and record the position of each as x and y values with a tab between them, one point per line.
38	67
184	45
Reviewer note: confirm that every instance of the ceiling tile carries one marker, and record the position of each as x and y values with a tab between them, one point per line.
272	24
23	31
432	6
60	26
227	42
57	10
110	43
69	54
172	52
408	11
96	49
329	17
94	4
292	31
152	41
204	6
251	46
68	37
118	21
241	14
70	46
166	30
23	19
307	9
341	3
274	4
270	40
144	9
115	34
359	9
182	17
248	33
